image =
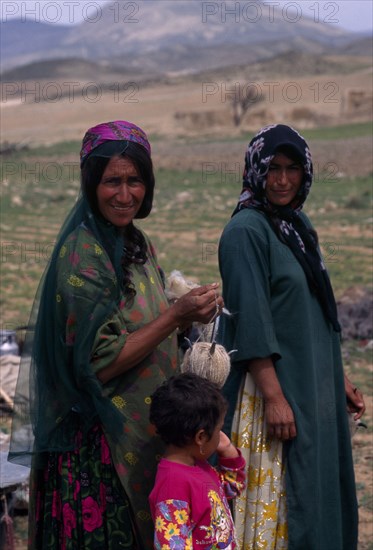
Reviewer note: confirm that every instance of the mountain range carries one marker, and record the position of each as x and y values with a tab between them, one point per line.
175	37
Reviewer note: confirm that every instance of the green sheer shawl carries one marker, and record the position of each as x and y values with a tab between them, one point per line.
56	377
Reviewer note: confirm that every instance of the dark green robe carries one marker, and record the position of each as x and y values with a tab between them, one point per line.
275	314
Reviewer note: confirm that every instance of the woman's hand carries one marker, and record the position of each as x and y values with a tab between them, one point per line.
278	413
226	449
355	399
280	419
200	304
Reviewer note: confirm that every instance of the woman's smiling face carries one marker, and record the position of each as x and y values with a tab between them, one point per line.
284	180
120	192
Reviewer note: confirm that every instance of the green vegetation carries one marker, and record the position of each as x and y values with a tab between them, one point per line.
343	131
57	149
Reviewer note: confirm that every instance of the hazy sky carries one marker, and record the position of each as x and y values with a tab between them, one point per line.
353	15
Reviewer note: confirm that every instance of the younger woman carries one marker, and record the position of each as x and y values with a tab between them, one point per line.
287	391
189	500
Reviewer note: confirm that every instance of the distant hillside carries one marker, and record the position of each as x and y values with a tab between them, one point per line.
361	46
71	68
166	36
291	64
25	41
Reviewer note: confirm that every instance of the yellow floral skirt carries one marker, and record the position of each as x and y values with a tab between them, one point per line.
260	511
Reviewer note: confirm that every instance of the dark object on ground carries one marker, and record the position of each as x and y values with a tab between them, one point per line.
355	309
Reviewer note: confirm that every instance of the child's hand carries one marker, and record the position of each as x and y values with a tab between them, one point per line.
225	448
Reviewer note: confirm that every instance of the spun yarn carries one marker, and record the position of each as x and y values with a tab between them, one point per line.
205	358
209	361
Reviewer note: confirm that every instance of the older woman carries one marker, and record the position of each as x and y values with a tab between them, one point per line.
287	388
104	340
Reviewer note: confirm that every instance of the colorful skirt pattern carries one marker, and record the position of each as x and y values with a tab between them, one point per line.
77	501
260	510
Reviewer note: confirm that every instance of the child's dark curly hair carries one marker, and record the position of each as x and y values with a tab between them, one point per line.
185	404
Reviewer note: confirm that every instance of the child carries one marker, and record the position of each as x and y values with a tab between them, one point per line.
189	499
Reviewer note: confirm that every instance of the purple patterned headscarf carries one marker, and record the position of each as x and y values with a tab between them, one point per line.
119	130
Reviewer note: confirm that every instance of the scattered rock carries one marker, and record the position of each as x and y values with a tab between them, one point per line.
355	314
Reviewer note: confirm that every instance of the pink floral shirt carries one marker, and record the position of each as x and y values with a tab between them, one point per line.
189	504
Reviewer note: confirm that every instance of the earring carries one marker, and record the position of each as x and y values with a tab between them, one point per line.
201	451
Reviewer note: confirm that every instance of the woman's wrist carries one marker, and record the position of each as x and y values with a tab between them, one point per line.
265	377
176	320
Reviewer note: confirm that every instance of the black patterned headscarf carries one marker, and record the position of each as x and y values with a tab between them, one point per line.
285	220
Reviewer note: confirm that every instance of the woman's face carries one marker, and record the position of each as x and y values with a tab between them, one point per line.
284	180
120	192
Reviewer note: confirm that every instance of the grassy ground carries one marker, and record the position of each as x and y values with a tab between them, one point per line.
39	186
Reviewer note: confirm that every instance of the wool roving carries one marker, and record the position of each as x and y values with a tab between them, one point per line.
177	285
